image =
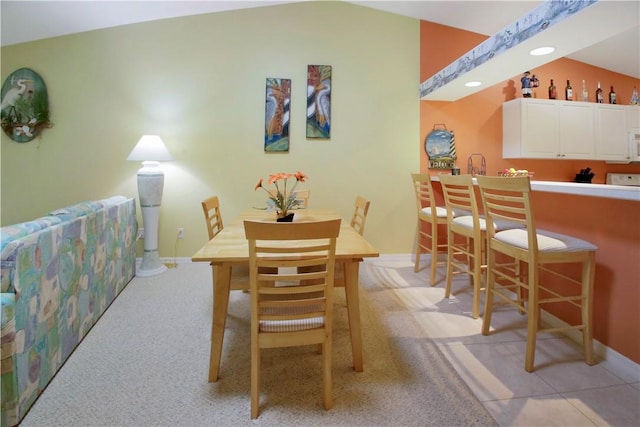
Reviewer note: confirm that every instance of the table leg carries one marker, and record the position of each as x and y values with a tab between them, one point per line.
353	310
221	288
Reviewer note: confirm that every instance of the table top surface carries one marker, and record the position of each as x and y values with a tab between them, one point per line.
230	245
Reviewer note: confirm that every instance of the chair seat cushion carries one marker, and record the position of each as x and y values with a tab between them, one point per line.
547	241
467	221
291	325
440	212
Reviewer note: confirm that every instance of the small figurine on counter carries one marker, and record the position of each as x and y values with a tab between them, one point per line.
526	85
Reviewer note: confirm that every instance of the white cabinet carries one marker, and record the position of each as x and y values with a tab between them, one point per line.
548	129
633	117
612	132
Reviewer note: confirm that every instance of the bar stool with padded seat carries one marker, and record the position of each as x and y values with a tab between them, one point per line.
432	216
464	219
510	199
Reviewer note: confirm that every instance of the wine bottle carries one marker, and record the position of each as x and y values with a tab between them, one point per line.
553	93
585	92
612	96
599	96
568	92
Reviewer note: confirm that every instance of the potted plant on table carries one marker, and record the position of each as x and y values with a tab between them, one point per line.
280	199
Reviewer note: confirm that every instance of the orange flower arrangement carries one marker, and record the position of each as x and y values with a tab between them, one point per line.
282	200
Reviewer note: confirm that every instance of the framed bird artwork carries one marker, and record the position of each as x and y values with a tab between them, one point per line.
25	105
277	104
319	101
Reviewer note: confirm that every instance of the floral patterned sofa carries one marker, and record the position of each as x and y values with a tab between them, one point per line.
58	274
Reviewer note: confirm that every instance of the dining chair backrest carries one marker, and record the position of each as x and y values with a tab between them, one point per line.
291	268
424	192
211	208
303	196
459	197
508	199
360	212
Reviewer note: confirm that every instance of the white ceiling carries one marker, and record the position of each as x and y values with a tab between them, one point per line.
24	21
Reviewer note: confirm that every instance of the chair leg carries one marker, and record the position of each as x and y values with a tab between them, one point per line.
255	380
450	261
488	299
434	251
477	270
533	310
416	267
588	277
326	374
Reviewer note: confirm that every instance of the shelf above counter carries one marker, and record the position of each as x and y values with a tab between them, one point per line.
619	192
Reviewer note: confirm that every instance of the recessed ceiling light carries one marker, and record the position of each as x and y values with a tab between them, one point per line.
542	51
472	84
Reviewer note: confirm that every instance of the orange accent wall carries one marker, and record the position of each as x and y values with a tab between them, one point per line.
612	225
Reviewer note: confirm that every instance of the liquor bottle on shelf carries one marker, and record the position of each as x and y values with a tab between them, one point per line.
599	95
553	93
585	92
568	92
634	97
612	96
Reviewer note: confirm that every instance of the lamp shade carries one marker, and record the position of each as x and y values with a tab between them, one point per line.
150	148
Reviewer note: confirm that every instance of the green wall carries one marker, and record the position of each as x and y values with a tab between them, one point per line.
199	83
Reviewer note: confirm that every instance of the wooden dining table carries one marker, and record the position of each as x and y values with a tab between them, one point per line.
229	248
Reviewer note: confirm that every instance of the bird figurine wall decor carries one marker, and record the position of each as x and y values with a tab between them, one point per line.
24	105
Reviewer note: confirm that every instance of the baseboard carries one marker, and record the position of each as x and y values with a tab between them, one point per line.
620	365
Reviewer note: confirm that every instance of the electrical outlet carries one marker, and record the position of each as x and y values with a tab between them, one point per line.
180	233
140	233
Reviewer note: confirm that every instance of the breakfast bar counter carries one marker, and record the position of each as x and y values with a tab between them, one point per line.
619	192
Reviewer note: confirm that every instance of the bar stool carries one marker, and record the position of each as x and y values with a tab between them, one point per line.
432	216
510	199
464	219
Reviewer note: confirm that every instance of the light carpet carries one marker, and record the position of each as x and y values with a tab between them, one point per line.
145	363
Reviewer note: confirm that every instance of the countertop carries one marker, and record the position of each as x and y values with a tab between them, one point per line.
620	192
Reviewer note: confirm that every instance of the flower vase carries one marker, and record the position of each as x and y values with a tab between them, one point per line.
284	218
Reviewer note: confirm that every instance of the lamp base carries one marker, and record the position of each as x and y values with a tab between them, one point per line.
150	265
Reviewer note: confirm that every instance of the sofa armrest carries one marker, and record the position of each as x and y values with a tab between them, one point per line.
8	379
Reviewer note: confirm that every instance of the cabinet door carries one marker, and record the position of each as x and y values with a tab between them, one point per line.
612	140
576	130
540	130
633	118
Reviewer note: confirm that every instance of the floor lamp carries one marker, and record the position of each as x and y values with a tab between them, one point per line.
150	150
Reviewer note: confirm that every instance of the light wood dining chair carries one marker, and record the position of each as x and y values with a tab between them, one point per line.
213	218
360	211
303	196
509	199
297	314
430	216
211	208
358	221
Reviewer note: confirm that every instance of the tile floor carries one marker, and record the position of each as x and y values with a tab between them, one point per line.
562	391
